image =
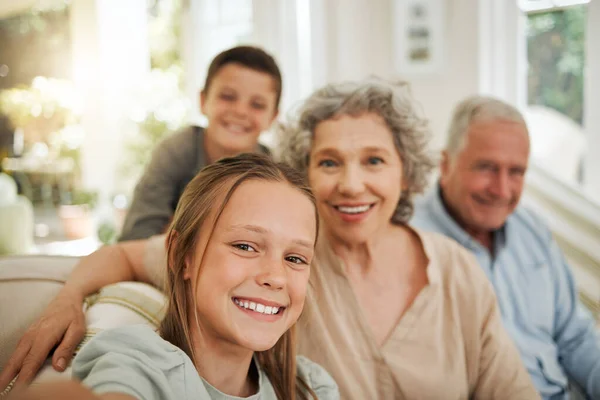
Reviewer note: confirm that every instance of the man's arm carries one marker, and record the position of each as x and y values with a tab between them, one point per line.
575	334
502	374
156	194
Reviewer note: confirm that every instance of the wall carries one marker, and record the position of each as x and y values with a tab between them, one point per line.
354	40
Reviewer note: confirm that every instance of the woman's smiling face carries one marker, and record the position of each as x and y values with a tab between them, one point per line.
355	172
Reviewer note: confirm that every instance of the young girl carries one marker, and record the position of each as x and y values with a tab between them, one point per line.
238	269
240	99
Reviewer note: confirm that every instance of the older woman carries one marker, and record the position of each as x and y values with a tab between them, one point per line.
393	312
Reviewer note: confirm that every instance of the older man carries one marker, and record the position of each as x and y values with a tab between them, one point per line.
476	202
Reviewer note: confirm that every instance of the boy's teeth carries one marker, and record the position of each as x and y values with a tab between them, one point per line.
257	307
353	210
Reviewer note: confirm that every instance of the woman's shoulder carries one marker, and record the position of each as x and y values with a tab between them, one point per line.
317	378
455	264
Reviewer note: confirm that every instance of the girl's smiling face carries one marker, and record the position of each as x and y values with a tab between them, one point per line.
254	267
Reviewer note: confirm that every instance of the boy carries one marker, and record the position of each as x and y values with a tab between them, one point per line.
240	99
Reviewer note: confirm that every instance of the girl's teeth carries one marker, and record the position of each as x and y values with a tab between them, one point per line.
257	307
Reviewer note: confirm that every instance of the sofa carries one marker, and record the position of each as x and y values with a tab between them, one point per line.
28	283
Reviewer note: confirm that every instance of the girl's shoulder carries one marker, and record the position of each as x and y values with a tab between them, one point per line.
317	378
135	360
137	341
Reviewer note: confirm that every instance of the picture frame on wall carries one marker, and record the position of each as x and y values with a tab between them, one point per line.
418	29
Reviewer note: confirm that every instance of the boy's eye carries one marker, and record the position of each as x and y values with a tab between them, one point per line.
227	96
327	163
296	260
375	160
259	106
244	247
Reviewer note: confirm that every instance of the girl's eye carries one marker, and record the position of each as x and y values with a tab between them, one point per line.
244	247
296	260
375	160
327	163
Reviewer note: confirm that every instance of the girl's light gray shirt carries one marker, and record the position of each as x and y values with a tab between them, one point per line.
135	360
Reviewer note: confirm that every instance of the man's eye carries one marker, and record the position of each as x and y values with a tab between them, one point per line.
244	247
296	260
327	163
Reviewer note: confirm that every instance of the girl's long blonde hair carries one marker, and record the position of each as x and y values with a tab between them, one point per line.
200	207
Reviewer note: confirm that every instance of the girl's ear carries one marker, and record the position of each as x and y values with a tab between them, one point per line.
171	243
187	272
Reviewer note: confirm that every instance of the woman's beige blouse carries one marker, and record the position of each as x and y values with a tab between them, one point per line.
449	344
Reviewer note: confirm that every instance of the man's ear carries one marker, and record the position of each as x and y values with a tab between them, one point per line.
445	164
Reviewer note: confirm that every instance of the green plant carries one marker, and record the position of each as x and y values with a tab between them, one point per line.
83	197
41	109
107	233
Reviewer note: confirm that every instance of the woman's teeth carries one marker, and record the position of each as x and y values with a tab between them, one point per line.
256	307
353	210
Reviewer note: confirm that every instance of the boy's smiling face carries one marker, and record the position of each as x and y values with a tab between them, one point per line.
239	104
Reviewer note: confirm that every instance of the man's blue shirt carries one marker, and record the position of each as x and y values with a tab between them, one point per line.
536	294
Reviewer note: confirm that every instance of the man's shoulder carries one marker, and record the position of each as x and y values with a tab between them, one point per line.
424	215
527	221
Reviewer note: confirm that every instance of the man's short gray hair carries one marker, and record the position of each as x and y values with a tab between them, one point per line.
393	103
477	108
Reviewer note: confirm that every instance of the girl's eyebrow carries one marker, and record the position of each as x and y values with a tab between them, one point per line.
262	231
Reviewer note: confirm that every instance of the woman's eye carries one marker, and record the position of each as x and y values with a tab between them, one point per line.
327	163
375	160
244	247
296	260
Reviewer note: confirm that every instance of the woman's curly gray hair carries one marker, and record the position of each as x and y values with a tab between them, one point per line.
392	102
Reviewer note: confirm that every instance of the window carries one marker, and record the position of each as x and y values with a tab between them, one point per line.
555	40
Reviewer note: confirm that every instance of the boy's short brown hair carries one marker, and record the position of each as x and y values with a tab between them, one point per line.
250	57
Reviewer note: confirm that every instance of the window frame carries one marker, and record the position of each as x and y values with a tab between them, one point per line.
503	66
